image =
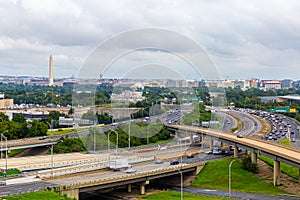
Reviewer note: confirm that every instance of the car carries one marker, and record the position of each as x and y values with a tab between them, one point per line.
43	137
216	151
174	162
208	152
159	162
293	140
292	132
239	135
190	156
130	170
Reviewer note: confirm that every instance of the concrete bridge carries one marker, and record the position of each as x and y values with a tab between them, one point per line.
71	186
277	152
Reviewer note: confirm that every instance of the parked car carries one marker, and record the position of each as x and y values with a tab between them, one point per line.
239	135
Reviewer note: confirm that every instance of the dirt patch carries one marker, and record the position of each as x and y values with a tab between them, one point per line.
288	183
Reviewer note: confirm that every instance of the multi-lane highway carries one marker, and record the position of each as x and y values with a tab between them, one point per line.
250	125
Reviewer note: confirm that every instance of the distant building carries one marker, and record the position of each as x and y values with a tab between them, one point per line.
254	83
289	98
296	84
286	83
271	84
6	103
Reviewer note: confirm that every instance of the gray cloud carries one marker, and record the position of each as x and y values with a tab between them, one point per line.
244	38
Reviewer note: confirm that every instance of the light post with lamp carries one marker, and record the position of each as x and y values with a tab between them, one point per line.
51	150
229	178
108	142
1	142
181	185
2	135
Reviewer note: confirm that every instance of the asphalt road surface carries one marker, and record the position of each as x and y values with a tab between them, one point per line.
251	125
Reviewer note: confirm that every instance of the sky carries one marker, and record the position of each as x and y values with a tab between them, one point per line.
244	39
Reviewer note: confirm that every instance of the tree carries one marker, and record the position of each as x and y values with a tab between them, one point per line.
3	117
90	115
54	115
19	118
37	129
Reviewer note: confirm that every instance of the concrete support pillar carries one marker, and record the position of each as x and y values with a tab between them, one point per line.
191	139
276	177
201	138
129	188
246	151
72	193
254	157
142	189
222	144
235	152
211	145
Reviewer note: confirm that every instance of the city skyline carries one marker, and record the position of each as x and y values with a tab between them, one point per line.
242	39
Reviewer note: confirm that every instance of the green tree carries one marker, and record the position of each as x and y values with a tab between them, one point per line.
19	118
3	117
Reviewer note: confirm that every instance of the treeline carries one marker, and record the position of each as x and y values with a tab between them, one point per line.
250	99
18	128
69	145
43	95
163	134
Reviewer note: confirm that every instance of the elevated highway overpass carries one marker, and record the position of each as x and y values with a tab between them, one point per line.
277	152
27	143
72	186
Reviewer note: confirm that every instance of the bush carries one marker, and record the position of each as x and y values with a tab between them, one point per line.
248	165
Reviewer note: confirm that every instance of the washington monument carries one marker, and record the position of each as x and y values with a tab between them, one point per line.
50	71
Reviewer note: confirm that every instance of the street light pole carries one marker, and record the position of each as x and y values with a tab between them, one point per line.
181	185
129	135
52	160
1	142
229	180
2	135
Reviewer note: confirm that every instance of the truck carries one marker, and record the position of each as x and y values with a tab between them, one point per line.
118	164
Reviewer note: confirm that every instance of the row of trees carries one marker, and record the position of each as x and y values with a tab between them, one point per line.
18	128
43	95
250	99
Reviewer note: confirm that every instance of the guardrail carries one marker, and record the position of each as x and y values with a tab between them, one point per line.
98	165
125	177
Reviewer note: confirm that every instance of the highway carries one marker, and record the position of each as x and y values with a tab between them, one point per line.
251	125
285	154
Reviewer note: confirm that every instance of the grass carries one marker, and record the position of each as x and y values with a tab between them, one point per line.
11	172
286	142
215	175
285	168
42	195
172	195
15	152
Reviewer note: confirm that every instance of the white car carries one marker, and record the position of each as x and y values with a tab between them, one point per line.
130	170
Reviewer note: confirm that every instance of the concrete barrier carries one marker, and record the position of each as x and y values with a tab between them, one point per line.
28	179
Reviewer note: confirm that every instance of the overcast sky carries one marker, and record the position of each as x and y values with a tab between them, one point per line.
245	39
